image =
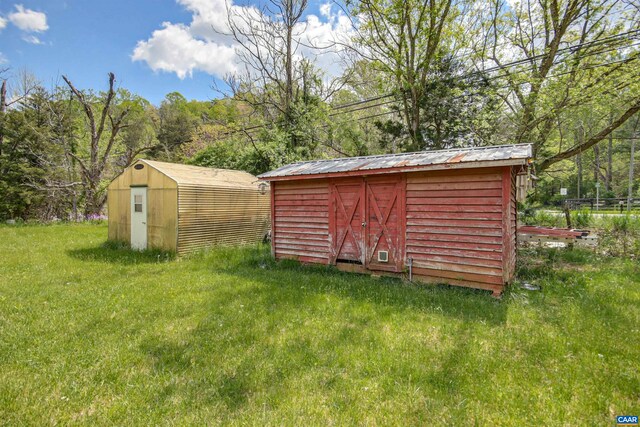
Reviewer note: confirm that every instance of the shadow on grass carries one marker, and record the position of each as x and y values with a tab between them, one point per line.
118	253
290	282
280	326
273	324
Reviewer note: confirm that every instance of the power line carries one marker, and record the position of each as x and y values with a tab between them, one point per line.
500	87
249	130
571	49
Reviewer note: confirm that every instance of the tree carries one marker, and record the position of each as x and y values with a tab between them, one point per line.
404	39
282	88
105	118
269	39
176	126
27	83
141	133
570	57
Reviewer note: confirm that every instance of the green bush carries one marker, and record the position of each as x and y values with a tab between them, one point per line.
582	218
620	236
544	218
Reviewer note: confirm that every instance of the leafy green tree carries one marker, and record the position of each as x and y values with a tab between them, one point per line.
175	128
140	135
34	179
571	59
405	39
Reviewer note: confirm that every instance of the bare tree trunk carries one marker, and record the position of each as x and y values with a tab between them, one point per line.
609	158
567	215
596	163
289	57
93	170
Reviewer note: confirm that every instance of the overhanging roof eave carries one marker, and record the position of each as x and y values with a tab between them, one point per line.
399	169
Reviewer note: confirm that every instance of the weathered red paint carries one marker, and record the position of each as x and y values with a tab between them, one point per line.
457	226
347	211
506	222
384	222
301	221
273	218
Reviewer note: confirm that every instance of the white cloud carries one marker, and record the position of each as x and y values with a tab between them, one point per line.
3	23
175	49
325	10
28	20
3	59
32	39
204	46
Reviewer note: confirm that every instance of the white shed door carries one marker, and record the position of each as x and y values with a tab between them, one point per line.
139	218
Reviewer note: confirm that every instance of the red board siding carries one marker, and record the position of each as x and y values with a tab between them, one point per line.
454	228
513	232
347	200
385	219
457	226
300	228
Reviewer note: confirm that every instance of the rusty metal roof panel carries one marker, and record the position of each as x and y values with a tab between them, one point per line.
506	153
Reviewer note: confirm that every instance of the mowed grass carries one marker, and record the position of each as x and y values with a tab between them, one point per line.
94	334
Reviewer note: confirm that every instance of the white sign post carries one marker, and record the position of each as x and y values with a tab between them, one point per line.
565	206
597	196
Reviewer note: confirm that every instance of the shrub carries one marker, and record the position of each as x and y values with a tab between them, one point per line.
544	218
582	218
620	236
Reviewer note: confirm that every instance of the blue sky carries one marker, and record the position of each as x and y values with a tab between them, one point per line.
153	46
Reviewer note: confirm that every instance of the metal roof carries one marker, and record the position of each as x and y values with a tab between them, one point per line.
423	160
197	175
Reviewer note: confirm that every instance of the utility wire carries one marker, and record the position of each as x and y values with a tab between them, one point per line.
571	49
589	67
249	130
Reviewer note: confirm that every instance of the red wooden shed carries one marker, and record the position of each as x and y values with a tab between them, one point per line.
444	216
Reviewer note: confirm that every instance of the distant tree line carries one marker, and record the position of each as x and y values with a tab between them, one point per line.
418	75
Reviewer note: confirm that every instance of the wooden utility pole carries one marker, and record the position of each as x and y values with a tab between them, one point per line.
580	138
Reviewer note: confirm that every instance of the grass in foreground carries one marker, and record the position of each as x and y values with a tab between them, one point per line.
97	334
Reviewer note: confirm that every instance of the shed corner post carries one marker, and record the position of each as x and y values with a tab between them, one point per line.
402	218
331	211
273	218
506	223
177	212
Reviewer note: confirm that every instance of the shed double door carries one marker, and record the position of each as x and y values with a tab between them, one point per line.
366	222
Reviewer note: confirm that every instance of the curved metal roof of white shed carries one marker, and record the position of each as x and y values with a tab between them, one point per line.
497	155
203	176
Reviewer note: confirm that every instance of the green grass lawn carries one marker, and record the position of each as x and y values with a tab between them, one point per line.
92	334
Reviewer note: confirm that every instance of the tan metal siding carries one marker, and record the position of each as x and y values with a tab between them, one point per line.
216	215
118	214
161	207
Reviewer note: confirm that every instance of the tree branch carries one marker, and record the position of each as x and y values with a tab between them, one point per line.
576	149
